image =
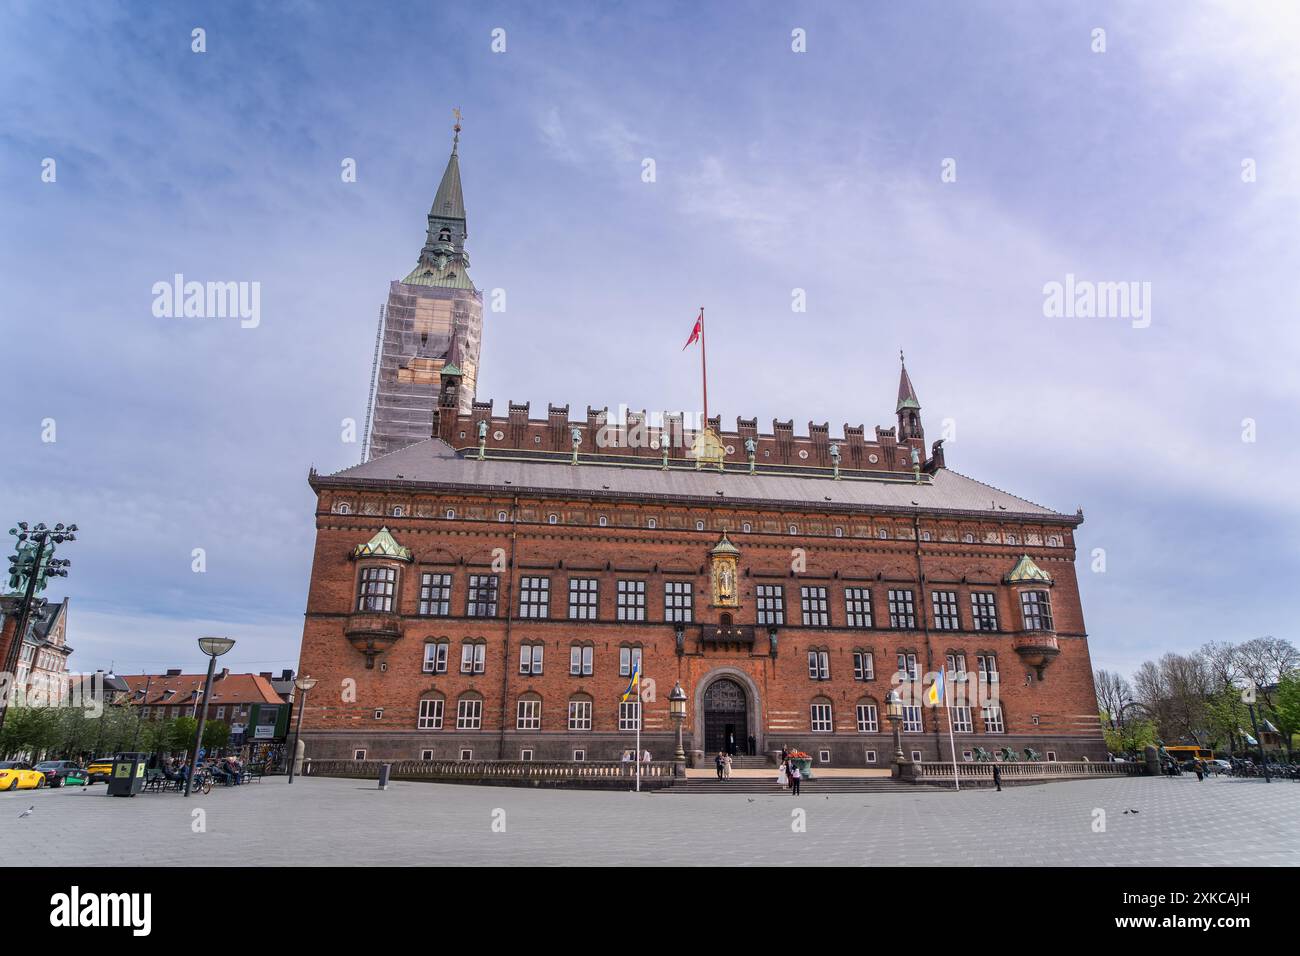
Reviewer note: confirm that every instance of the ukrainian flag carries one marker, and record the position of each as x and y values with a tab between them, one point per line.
934	696
634	683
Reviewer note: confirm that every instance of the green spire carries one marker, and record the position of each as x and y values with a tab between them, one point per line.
443	260
382	545
1026	571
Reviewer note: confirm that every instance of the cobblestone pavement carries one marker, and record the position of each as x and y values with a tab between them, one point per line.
1173	822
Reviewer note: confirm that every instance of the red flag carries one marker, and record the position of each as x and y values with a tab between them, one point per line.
695	332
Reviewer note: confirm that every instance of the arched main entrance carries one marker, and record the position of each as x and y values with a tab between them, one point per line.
726	716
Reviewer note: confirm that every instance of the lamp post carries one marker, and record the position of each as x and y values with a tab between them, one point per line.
30	568
303	684
894	712
677	711
214	647
1260	741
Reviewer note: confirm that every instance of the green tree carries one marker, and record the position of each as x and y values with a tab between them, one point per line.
1225	716
1286	707
178	733
1132	735
216	734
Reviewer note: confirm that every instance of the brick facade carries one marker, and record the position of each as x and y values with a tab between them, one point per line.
921	552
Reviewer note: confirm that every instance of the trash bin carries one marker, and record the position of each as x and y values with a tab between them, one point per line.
385	770
128	774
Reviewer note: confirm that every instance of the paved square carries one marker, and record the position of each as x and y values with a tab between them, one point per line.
1178	822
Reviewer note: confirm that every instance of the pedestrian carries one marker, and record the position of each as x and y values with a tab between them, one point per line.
718	762
726	767
997	777
795	777
645	759
785	754
1200	770
753	746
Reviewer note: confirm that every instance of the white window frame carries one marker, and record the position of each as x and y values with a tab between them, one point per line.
630	597
868	718
913	721
864	665
821	718
579	714
469	713
530	659
819	665
627	654
528	714
961	720
994	723
431	711
435	658
473	657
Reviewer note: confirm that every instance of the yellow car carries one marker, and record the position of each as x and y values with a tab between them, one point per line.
17	775
100	768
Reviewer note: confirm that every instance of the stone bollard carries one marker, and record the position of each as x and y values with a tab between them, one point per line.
384	770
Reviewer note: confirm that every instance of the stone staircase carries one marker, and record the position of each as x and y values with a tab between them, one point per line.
768	785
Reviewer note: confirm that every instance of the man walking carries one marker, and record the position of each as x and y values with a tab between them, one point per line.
997	777
795	777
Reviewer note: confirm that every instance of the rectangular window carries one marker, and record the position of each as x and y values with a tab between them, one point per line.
534	597
426	755
819	665
912	720
530	658
435	658
529	716
813	605
221	713
627	657
857	607
867	720
864	665
435	595
469	714
473	658
907	667
871	756
358	755
984	610
902	610
944	604
993	720
956	667
377	585
580	660
678	602
580	715
525	755
987	665
467	755
821	718
580	755
627	714
482	600
770	603
960	717
1037	610
631	600
430	715
584	599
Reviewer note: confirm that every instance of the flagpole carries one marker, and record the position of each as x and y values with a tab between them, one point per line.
704	369
638	738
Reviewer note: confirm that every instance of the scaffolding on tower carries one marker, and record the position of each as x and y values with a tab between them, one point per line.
374	383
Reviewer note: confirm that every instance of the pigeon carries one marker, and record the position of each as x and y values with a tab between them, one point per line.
27	812
750	799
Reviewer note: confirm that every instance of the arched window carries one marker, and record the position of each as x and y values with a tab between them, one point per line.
469	712
451	513
794	529
883	533
925	536
602	521
502	516
699	525
968	538
822	722
839	532
580	712
398	511
343	508
435	656
651	523
552	518
746	527
867	716
528	713
431	712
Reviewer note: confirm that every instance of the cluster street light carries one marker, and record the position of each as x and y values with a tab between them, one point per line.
304	684
214	647
30	568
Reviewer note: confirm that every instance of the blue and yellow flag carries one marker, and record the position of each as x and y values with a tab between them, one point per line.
634	683
934	696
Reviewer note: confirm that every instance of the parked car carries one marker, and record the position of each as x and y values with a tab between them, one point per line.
1220	766
100	769
60	772
20	775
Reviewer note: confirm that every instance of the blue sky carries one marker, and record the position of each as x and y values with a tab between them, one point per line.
775	170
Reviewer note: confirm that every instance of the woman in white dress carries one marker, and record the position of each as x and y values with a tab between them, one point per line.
781	778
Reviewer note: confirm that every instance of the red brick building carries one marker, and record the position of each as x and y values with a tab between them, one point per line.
486	592
489	601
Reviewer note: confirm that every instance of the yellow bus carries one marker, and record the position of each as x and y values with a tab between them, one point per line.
1182	754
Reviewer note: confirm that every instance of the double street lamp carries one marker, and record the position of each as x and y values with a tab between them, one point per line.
304	684
214	647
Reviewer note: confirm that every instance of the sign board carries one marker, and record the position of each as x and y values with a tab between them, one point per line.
1248	693
264	733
